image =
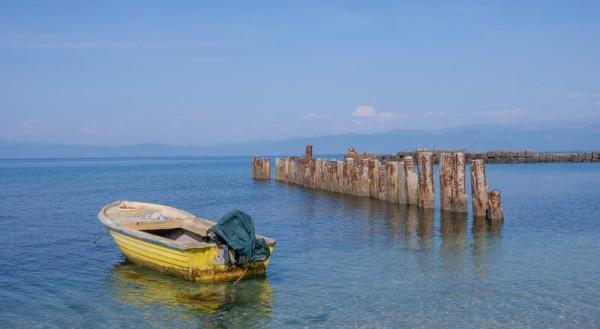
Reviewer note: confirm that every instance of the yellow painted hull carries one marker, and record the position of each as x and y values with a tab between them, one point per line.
191	264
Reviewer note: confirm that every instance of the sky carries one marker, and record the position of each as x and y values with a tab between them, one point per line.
212	72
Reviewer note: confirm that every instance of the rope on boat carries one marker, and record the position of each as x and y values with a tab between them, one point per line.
241	276
98	238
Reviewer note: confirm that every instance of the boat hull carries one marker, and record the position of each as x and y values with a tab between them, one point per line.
191	264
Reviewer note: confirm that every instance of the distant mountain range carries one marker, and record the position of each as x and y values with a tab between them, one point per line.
468	138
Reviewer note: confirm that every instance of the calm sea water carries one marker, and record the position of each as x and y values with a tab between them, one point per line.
340	261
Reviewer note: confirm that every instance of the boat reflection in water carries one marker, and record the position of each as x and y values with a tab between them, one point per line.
249	301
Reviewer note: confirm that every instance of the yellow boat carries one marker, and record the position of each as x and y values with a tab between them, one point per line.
174	241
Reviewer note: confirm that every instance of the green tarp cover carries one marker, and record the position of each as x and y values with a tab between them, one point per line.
236	228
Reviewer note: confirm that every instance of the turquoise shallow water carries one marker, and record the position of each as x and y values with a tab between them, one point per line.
340	261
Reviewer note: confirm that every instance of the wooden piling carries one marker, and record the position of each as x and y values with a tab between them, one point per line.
426	191
478	188
261	168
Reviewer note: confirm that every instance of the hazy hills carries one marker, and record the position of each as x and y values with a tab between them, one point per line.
469	138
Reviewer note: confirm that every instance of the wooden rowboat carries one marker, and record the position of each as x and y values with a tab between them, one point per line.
173	241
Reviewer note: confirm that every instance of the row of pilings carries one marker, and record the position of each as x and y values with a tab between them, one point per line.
390	180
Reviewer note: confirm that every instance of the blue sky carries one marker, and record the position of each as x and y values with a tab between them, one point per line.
211	72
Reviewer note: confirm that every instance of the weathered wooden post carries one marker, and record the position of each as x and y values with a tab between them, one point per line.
494	210
261	168
426	192
459	195
478	188
412	195
446	180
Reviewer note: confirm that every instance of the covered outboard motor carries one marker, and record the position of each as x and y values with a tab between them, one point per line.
236	230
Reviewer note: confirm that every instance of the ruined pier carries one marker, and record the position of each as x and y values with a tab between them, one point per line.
391	180
505	156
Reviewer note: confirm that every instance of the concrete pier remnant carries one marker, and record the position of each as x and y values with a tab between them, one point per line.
402	195
446	180
494	209
391	182
452	182
459	194
508	156
426	192
412	194
261	168
279	169
351	153
308	152
479	188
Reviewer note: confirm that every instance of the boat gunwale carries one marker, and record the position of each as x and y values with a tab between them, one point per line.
152	238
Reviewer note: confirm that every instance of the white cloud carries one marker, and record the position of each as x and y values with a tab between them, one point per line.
370	113
504	116
582	94
30	124
435	114
90	129
313	115
364	111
